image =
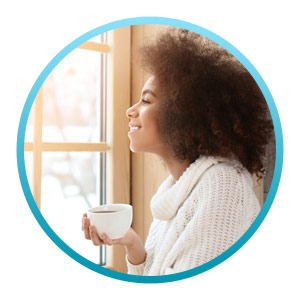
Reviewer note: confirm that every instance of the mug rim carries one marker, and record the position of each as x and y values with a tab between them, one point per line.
125	206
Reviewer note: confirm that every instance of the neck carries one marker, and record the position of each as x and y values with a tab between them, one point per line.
176	167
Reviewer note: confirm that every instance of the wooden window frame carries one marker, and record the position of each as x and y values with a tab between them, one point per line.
118	50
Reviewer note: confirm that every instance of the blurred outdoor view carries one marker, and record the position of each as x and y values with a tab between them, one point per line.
72	112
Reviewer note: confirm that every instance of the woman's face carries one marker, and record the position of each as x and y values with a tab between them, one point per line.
144	133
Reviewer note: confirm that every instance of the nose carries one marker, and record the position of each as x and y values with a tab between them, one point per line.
132	112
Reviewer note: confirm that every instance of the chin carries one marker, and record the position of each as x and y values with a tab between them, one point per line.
134	149
141	148
138	149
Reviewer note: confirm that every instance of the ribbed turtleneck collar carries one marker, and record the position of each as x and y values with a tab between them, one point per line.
171	195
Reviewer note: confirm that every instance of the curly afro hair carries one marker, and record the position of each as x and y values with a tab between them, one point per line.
211	105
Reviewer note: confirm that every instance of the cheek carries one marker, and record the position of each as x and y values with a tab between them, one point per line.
151	122
155	131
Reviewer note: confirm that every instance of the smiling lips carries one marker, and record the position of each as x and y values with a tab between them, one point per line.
134	127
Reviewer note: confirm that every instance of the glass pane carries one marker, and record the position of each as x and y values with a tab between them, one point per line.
96	39
99	38
71	99
28	166
70	186
29	128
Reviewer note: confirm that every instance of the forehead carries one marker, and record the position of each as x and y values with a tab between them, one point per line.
150	85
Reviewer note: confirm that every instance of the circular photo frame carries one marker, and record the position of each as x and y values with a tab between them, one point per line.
158	21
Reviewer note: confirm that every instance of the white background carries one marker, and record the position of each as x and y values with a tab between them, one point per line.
32	33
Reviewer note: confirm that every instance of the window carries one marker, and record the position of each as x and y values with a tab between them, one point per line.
76	145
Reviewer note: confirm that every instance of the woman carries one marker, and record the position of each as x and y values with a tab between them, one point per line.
203	114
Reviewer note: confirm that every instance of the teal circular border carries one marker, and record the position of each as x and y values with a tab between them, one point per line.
21	138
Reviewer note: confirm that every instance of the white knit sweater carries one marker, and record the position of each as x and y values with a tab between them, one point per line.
198	217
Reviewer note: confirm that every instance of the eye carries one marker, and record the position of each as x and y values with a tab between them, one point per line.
145	101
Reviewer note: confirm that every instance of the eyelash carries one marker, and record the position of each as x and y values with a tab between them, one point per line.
145	101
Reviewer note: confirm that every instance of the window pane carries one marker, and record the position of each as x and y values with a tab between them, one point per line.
29	128
70	186
96	39
28	166
71	99
102	38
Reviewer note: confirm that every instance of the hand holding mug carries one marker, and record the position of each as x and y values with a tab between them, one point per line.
90	233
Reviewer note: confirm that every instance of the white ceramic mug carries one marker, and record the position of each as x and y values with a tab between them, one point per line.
111	219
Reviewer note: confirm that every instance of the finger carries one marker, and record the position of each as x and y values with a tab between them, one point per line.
86	224
94	236
82	220
107	240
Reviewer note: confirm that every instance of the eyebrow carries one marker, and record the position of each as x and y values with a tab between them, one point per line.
148	92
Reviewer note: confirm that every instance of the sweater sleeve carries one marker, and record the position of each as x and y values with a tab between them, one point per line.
150	246
135	269
218	221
